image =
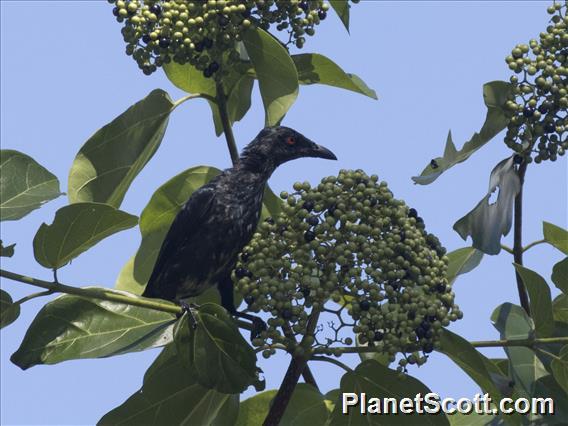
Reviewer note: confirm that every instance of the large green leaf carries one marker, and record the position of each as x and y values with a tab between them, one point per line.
378	381
9	311
513	323
482	370
74	327
560	275
555	236
109	161
495	95
170	395
488	221
220	356
560	368
342	7
462	261
276	73
314	68
75	229
473	419
547	387
306	407
24	185
560	308
7	251
540	301
271	204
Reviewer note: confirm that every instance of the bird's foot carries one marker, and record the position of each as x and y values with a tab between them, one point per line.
258	325
187	307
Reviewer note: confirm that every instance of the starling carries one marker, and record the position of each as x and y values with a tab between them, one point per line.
201	247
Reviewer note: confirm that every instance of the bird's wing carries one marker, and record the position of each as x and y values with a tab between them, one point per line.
187	221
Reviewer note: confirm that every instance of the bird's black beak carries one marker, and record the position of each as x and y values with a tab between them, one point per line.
319	151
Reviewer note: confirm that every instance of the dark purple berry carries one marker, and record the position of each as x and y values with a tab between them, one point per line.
549	127
156	9
223	21
528	111
286	314
419	219
364	305
164	42
544	107
428	347
373	201
241	272
312	220
146	38
249	300
304	6
245	256
441	288
517	159
115	11
322	14
207	73
214	67
199	46
309	236
308	205
412	213
207	43
246	14
378	336
305	291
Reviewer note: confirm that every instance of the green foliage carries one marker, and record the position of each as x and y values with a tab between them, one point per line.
109	161
75	229
25	185
170	395
342	7
560	275
219	355
379	381
560	368
314	68
9	311
560	308
555	236
487	222
495	94
307	407
7	251
540	301
462	261
74	327
276	73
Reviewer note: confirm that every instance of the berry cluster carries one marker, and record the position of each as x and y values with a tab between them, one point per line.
539	101
347	242
204	33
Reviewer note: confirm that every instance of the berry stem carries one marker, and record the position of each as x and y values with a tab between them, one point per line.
307	373
332	361
518	239
227	129
295	370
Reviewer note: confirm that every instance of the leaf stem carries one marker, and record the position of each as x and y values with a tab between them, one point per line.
96	293
33	296
518	239
331	361
295	369
507	249
534	243
195	96
221	102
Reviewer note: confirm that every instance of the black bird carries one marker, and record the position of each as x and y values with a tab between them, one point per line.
200	249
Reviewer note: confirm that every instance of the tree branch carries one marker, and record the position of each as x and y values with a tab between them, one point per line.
307	373
221	102
518	240
295	369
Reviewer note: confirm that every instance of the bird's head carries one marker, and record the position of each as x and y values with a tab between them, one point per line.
274	146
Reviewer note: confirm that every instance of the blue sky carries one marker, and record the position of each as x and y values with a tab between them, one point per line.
64	75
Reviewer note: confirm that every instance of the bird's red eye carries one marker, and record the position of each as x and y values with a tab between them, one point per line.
290	140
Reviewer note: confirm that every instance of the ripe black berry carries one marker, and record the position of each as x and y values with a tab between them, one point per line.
164	42
419	219
412	213
364	305
322	14
199	46
312	220
309	205
428	347
378	336
304	6
115	11
214	67
441	288
286	314
207	43
223	21
517	159
544	107
241	272
207	72
146	38
269	220
549	127
156	9
528	111
245	256
249	300
305	291
309	236
373	201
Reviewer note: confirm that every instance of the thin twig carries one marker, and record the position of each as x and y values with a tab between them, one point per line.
518	240
332	361
33	296
507	249
534	243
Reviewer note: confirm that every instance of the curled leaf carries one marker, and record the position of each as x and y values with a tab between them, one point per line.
486	223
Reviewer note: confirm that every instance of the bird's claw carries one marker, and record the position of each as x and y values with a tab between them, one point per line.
186	307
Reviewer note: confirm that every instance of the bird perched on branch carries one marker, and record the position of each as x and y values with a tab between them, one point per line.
201	248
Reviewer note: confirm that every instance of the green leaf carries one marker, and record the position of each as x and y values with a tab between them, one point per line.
560	368
271	205
276	73
540	300
253	410
7	251
495	95
238	102
482	370
306	407
75	229
502	363
378	381
560	275
381	357
513	323
560	308
220	356
473	419
9	311
74	327
170	395
487	222
189	79
25	185
342	7
462	261
555	236
314	68
109	161
548	387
